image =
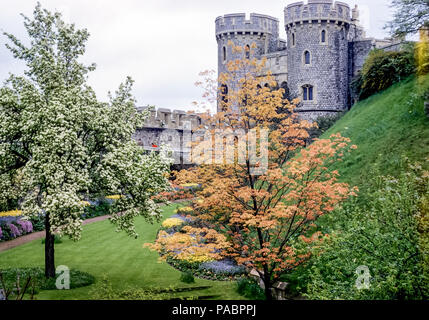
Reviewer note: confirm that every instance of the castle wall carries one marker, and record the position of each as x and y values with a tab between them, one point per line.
172	128
359	52
277	65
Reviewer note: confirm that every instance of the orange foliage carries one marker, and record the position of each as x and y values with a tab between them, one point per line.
268	218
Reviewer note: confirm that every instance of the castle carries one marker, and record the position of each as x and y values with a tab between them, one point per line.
325	48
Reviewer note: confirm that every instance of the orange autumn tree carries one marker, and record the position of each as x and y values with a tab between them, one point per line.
263	187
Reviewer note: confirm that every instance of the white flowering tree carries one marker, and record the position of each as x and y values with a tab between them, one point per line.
59	145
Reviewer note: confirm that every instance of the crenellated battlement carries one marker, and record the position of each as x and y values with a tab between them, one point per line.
317	11
172	119
237	23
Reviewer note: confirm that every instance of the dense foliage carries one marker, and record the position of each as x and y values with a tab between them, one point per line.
59	145
264	208
250	289
382	69
11	276
386	231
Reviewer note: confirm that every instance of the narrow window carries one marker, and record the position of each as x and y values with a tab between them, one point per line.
247	49
293	39
224	54
307	57
307	93
323	36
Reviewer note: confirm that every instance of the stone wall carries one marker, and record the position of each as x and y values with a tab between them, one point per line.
172	128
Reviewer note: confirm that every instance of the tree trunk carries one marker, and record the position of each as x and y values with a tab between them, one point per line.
49	250
267	283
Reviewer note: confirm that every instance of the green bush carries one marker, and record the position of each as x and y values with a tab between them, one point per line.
187	277
78	278
382	69
383	231
38	222
250	289
101	209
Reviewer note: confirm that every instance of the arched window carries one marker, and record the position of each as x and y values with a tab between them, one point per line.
247	49
224	54
307	57
307	92
323	36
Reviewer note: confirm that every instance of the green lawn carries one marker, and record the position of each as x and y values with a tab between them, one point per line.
385	127
103	251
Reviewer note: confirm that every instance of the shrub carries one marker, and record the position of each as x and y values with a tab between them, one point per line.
187	277
38	222
382	69
14	231
77	278
98	209
250	289
26	226
386	234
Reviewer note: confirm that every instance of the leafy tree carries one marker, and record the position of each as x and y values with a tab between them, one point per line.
410	16
266	214
59	145
387	232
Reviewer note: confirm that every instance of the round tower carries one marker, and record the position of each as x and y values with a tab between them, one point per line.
317	35
259	29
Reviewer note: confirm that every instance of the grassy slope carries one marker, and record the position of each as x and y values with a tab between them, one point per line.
384	127
123	259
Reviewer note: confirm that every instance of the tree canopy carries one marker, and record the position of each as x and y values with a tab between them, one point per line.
60	146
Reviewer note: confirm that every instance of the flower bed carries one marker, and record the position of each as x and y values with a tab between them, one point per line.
13	224
190	247
12	227
179	192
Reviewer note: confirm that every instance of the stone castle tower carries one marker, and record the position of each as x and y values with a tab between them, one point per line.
325	49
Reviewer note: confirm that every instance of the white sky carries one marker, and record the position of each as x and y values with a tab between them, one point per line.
161	44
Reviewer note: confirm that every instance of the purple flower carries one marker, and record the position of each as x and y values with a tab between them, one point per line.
14	230
26	226
224	267
1	233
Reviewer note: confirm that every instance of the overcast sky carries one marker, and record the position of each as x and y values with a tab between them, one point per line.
161	44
